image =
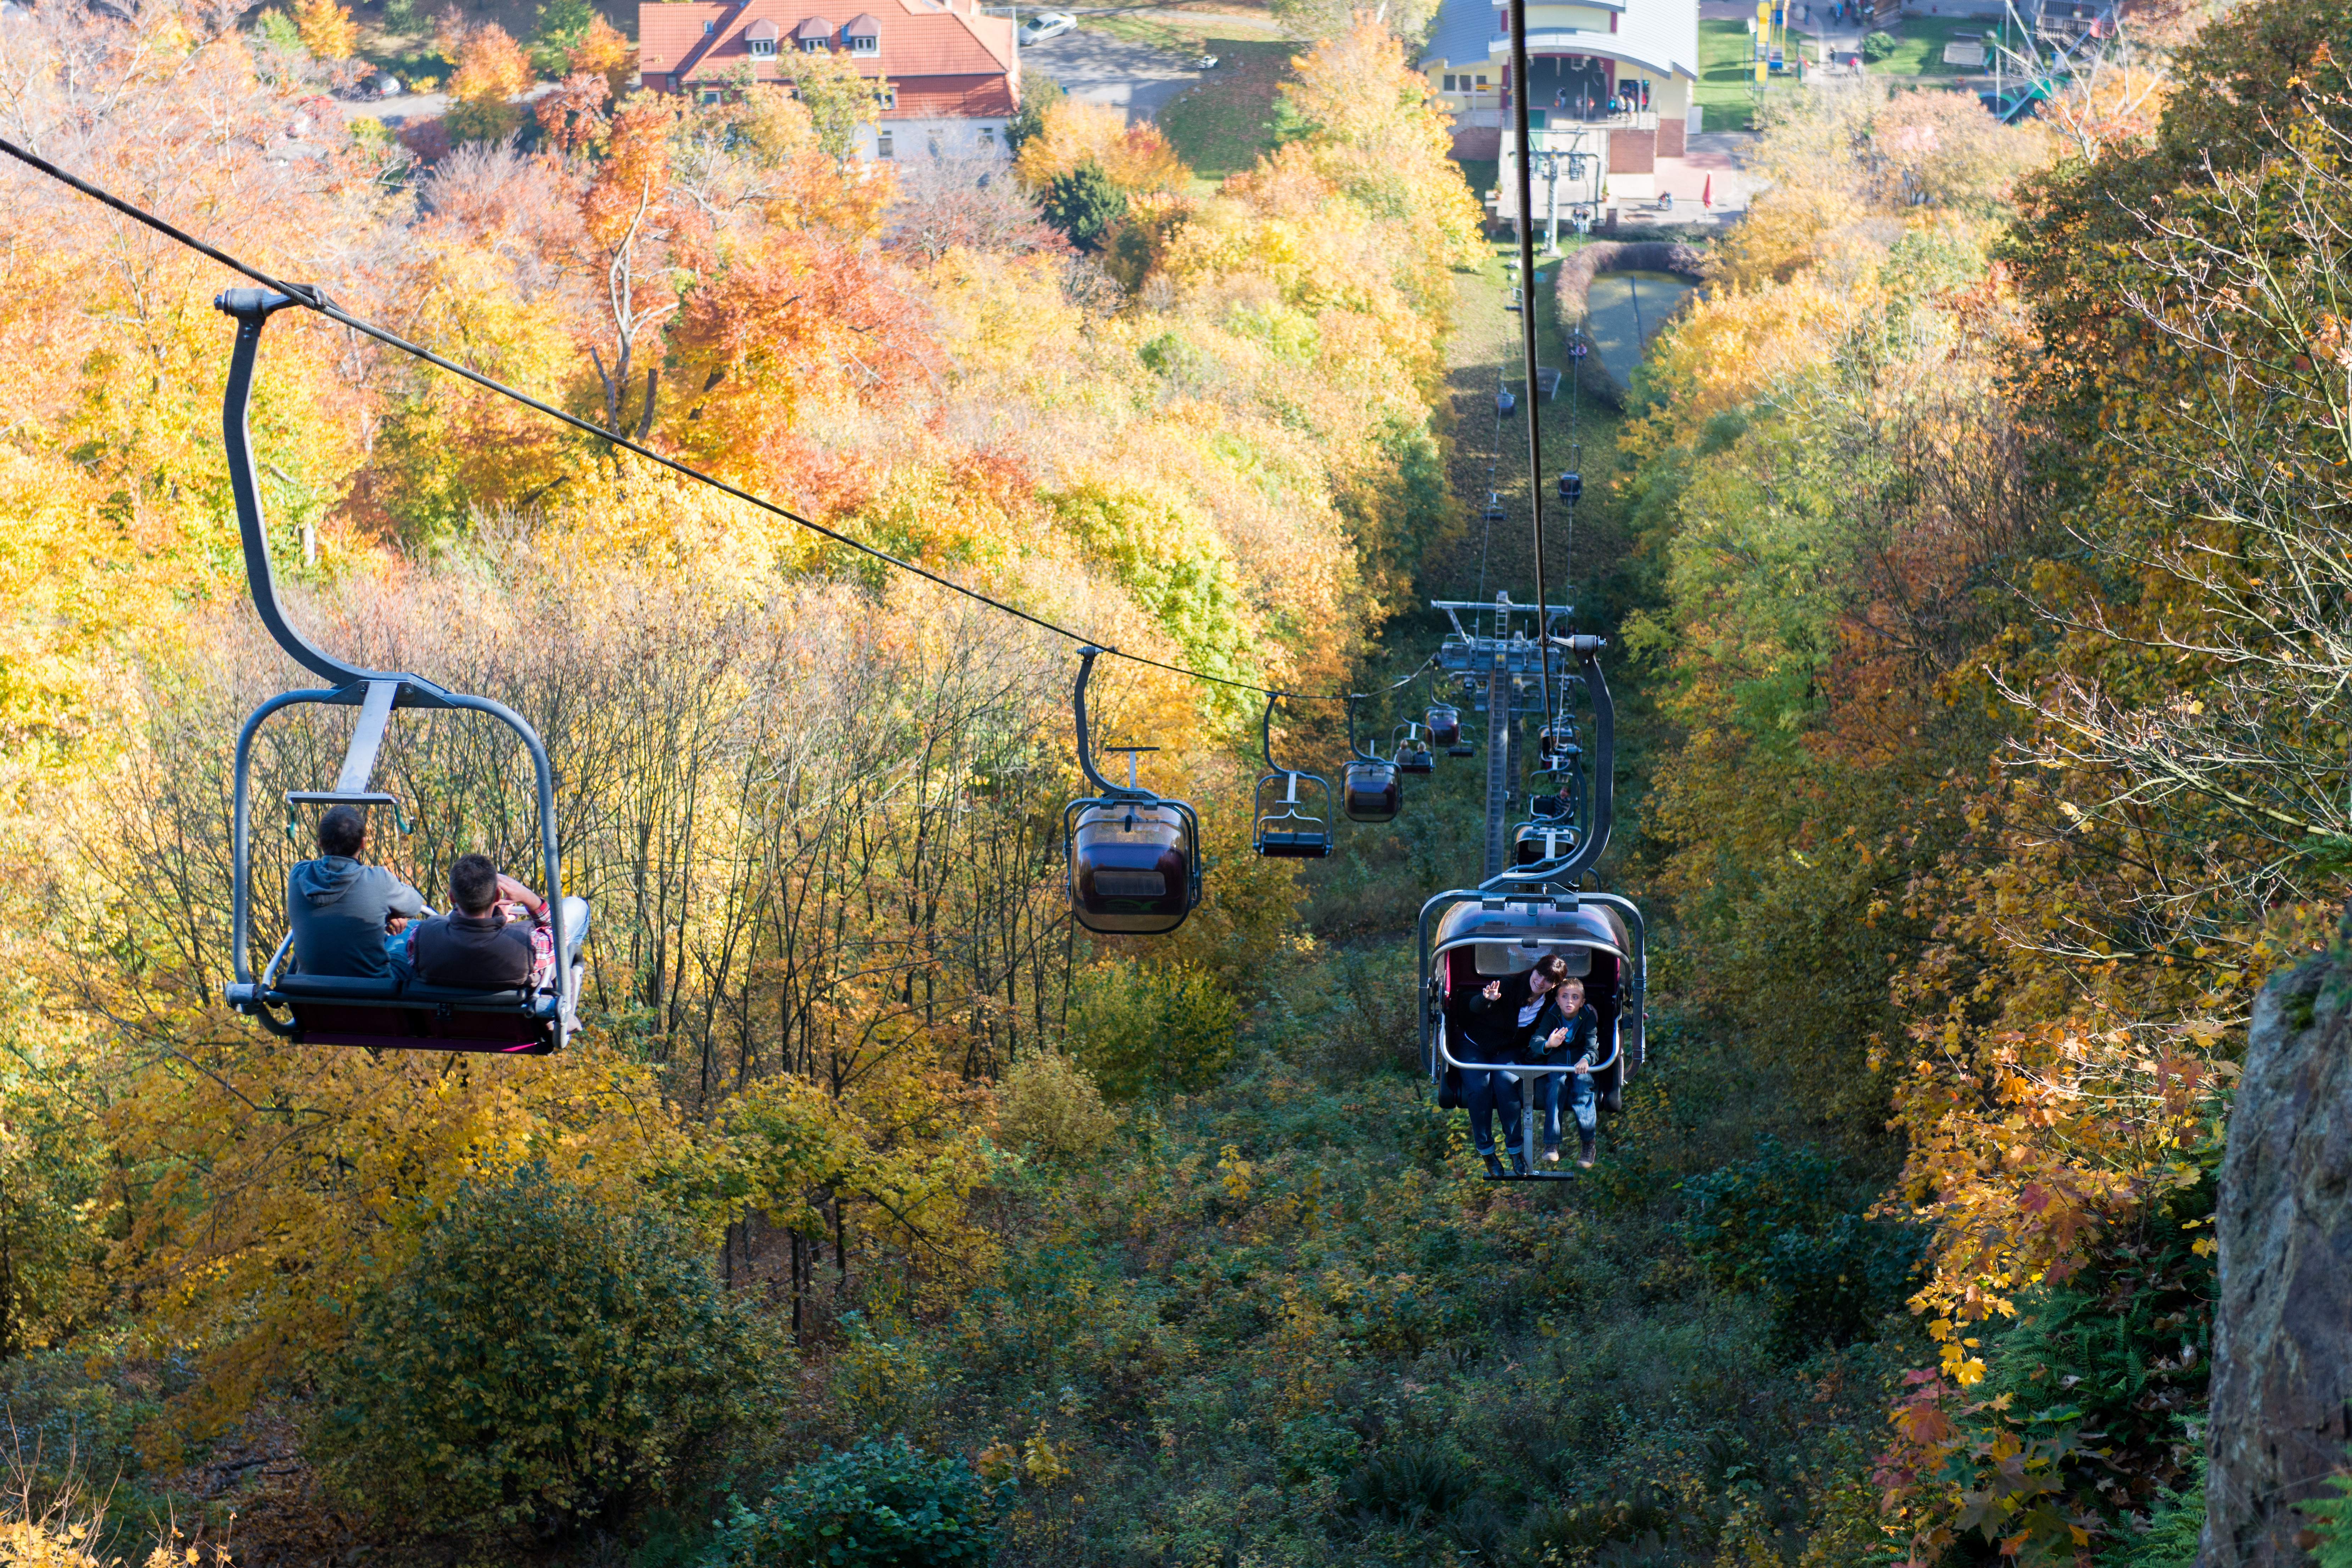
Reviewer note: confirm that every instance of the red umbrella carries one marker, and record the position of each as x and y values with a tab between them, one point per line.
1707	198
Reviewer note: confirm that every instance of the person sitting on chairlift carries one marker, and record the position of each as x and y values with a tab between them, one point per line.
475	947
345	914
1564	1029
1500	1017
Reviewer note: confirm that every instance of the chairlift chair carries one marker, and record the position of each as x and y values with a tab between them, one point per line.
1468	936
1444	722
380	1012
1134	858
1369	789
1291	810
1412	754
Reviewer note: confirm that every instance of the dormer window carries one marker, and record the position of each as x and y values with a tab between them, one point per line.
864	44
759	38
812	35
863	34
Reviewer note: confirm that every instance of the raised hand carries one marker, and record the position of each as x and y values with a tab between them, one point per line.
1494	992
1557	1037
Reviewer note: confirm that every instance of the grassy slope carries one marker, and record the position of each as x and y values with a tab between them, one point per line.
1220	127
1280	1322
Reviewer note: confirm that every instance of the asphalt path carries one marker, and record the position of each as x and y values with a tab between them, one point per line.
1095	67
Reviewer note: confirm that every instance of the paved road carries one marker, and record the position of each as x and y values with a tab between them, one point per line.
1095	67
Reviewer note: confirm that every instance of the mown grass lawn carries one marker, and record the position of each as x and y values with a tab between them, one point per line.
1919	46
1726	89
1220	127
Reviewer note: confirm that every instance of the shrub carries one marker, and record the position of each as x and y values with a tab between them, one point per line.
880	1505
1778	1225
1138	1027
541	1364
1048	1104
1877	47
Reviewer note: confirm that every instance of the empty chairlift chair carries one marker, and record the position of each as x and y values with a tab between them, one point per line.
1291	810
1134	857
1370	788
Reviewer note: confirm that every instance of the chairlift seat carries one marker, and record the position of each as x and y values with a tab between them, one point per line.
394	1012
1293	844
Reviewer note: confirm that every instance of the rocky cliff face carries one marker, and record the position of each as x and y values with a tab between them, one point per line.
2282	1387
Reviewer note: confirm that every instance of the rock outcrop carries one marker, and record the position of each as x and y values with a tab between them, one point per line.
2282	1389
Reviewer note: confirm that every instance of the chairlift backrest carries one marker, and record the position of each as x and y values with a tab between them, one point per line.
1134	858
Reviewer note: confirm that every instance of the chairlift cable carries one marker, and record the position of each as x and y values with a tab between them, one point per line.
314	298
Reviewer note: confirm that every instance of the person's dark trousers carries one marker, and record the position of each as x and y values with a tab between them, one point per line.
1488	1093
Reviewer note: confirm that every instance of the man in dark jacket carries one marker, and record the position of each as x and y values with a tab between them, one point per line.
475	947
341	911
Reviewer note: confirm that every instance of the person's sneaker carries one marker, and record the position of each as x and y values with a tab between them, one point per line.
1584	1150
1551	1154
1493	1166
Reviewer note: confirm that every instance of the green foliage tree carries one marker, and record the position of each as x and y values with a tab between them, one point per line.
1141	1026
1877	47
880	1505
1084	206
1039	94
838	99
541	1364
277	30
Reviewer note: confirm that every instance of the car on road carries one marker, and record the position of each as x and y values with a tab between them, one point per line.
1046	25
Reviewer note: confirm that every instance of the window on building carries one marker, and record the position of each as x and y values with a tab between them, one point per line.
882	144
1482	86
762	48
988	137
708	27
865	44
887	95
1449	81
707	95
812	46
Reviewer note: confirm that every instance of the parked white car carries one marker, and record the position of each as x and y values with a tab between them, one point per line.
1046	25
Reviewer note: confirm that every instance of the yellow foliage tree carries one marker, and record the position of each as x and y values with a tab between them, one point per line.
492	70
327	28
1136	158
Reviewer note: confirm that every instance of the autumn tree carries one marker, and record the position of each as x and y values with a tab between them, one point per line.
327	28
629	231
491	72
839	100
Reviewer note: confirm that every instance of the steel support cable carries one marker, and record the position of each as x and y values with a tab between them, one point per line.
1521	93
314	298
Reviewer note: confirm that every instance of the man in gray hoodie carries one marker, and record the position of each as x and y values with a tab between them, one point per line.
342	910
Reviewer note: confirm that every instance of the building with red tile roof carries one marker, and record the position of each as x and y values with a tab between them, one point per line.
949	76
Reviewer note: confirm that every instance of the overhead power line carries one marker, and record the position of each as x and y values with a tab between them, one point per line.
315	298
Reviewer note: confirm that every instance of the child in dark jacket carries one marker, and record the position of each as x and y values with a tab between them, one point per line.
1566	1030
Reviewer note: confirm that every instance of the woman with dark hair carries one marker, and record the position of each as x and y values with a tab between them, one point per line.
1503	1016
1565	1029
